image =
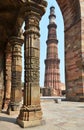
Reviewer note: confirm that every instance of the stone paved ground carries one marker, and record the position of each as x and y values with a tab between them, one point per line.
62	116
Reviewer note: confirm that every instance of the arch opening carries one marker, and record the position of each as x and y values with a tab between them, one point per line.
73	58
72	47
60	38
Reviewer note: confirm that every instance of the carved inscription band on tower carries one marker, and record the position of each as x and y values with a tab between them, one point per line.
30	113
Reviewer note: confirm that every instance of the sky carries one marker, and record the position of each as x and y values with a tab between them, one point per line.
44	33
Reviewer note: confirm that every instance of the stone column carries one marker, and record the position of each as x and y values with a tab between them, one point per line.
16	68
30	113
1	77
7	92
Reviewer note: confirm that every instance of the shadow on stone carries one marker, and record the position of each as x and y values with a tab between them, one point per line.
8	119
81	106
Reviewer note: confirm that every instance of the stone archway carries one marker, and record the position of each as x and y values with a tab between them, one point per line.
73	29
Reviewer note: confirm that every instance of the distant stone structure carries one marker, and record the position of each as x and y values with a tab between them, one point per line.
52	72
46	91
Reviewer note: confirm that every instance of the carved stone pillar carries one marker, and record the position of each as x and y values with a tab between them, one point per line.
7	92
16	68
1	77
30	113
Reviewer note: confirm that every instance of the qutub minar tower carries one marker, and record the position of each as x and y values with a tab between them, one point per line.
52	73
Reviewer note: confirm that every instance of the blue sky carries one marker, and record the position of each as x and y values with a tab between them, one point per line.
44	32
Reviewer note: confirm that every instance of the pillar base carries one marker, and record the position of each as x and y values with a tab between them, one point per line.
30	116
13	109
12	112
6	104
32	123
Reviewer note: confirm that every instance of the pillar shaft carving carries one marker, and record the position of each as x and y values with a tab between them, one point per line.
1	77
31	46
16	68
31	110
7	92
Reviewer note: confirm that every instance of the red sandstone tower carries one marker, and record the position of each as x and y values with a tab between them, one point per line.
52	74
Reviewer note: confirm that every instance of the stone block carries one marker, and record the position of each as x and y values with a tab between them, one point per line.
30	117
57	100
35	92
31	123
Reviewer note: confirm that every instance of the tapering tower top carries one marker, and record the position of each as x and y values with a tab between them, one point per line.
52	15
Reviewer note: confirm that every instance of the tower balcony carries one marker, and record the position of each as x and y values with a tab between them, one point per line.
52	61
52	25
50	41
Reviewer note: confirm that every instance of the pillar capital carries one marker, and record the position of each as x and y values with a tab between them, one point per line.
33	14
36	7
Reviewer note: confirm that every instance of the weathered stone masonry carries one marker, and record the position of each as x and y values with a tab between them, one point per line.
72	14
12	14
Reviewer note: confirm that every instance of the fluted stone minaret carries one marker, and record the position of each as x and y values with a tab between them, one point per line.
52	74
